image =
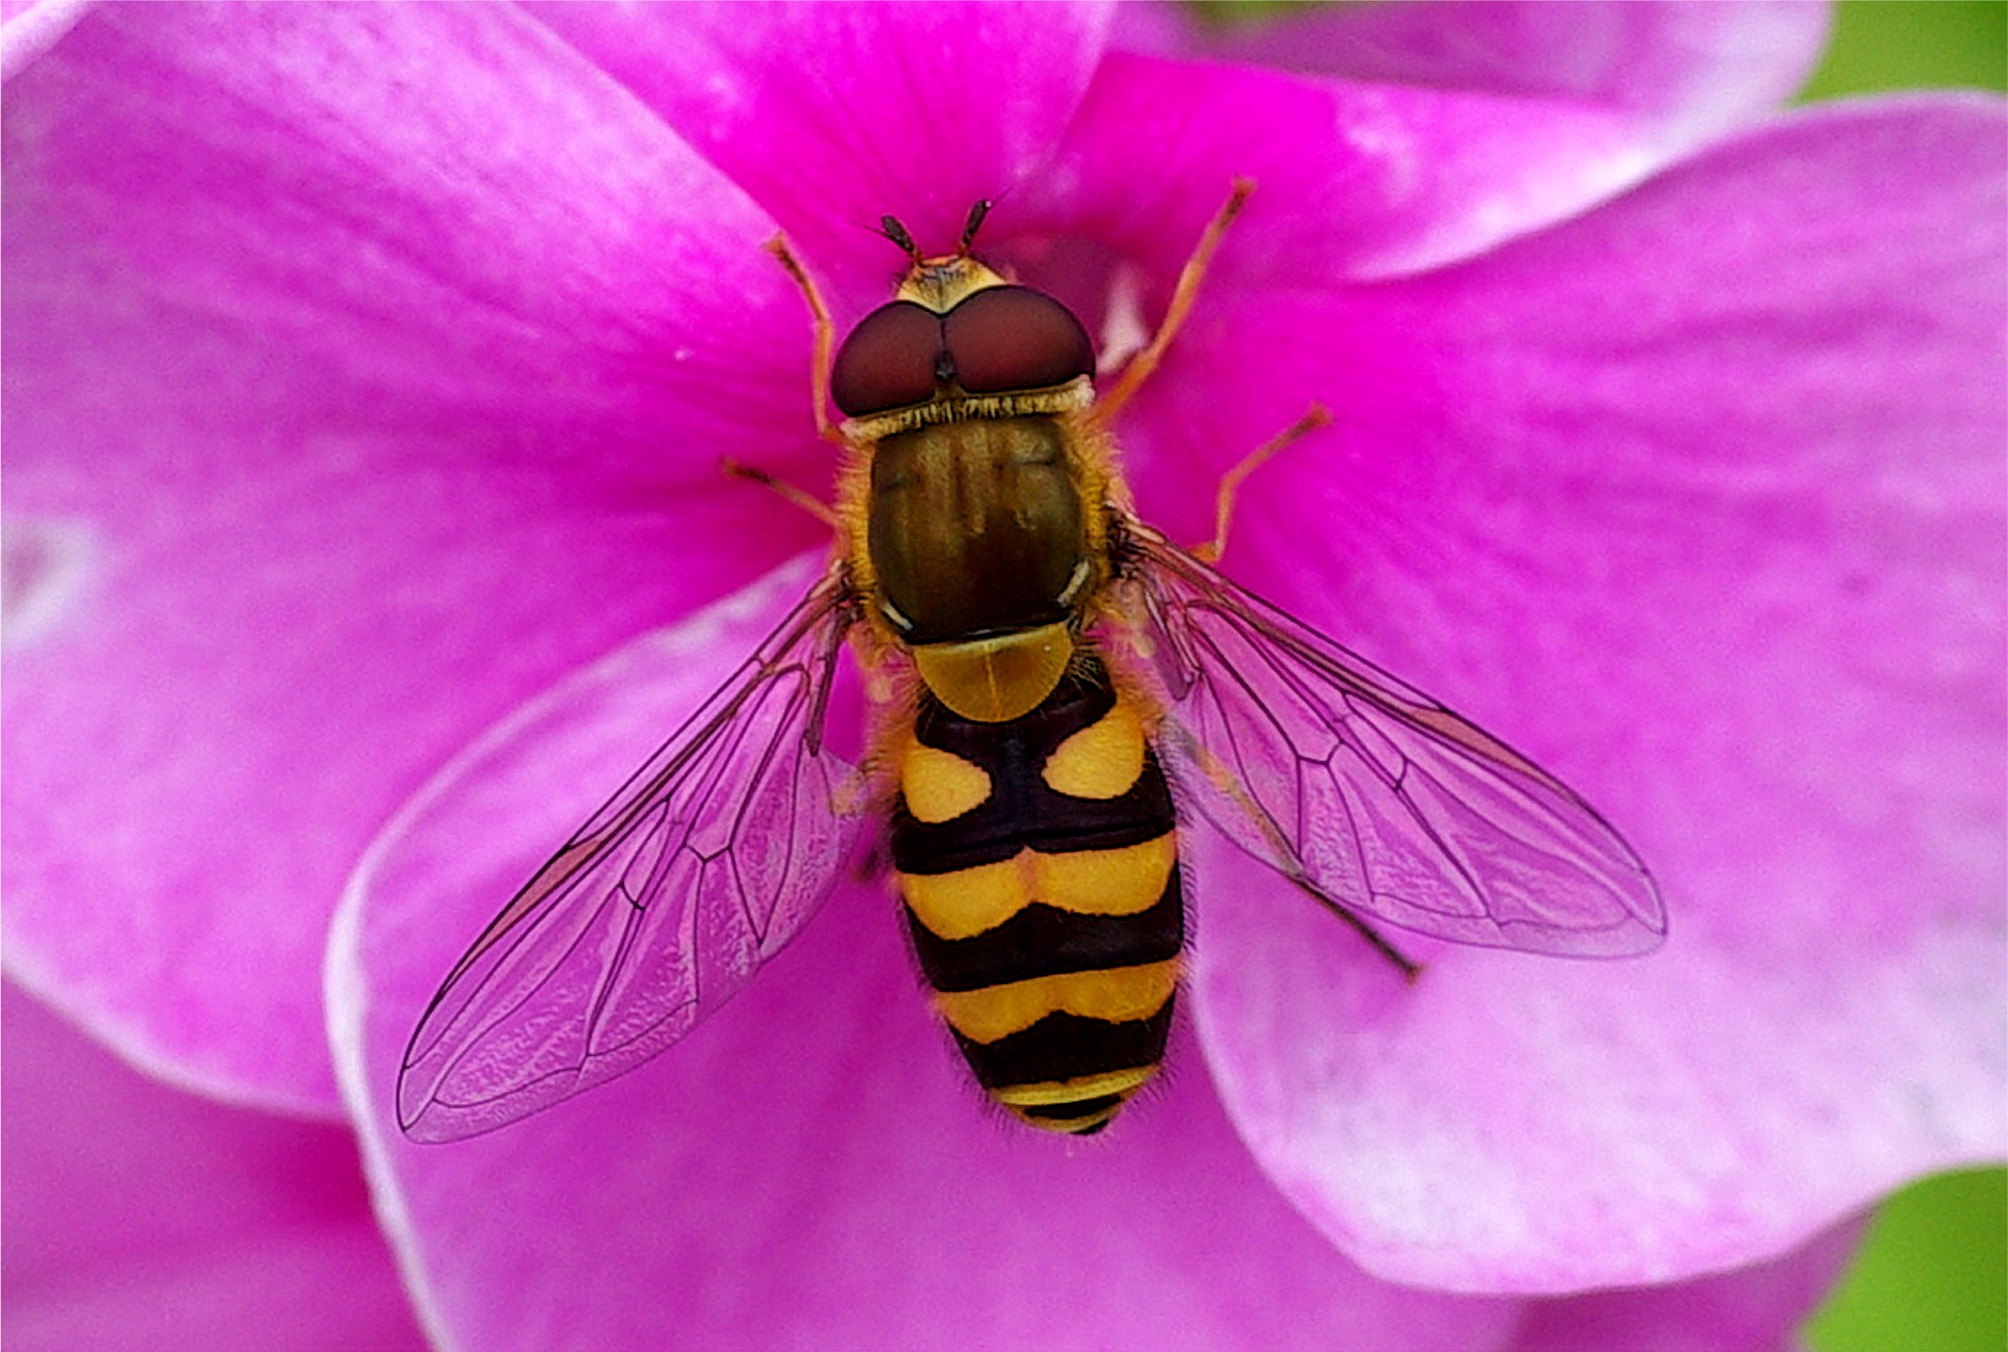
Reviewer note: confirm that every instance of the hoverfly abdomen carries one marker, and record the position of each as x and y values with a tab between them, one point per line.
1038	862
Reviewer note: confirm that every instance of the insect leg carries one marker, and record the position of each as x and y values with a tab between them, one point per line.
1145	361
819	376
802	498
1410	969
1230	482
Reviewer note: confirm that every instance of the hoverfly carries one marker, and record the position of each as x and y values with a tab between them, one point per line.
1056	685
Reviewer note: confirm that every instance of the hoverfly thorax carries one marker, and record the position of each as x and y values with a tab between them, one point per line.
978	538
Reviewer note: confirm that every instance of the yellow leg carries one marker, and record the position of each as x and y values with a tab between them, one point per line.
1230	482
1145	361
819	377
807	501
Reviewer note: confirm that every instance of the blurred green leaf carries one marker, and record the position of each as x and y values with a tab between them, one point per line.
1932	1276
1914	44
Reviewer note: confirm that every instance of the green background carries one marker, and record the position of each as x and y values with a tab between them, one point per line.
1932	1276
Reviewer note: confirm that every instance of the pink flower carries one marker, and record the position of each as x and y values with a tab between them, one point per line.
138	1216
367	376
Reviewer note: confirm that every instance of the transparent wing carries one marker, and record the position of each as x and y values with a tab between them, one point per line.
661	907
1367	792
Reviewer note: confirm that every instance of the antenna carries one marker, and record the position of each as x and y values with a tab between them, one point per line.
979	210
890	227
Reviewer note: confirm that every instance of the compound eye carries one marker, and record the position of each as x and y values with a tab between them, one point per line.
888	361
1010	338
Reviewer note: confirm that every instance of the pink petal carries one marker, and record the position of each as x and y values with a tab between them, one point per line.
832	115
30	27
810	1167
817	1132
1682	71
140	1217
364	414
43	565
1699	500
1755	1309
1444	130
